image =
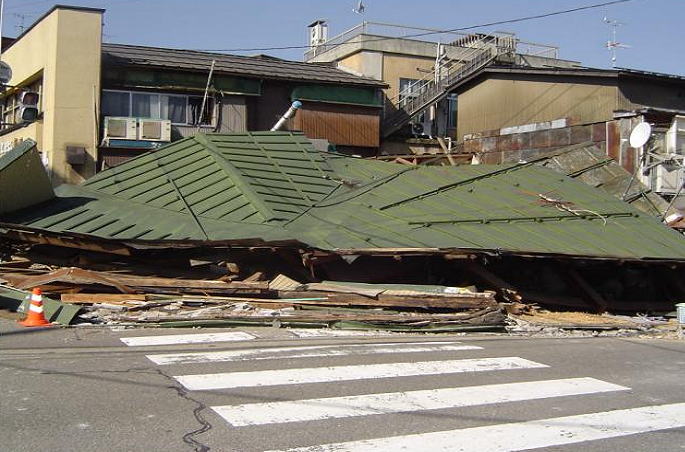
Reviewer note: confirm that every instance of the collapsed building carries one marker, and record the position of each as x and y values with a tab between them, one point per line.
273	203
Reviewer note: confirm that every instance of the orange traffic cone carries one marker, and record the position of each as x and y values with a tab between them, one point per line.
36	317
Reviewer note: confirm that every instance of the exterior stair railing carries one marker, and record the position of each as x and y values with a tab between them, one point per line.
422	94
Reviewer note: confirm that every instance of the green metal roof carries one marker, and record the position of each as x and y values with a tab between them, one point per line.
590	164
22	167
275	186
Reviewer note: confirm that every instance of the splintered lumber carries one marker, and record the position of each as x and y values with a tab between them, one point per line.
463	301
85	298
70	275
174	283
488	316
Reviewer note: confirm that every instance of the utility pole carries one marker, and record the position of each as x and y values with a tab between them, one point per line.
2	10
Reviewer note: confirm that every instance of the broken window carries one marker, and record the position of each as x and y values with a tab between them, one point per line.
194	104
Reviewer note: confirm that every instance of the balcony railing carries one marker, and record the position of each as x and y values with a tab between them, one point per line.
422	34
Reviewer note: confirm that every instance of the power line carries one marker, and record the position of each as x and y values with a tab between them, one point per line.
453	30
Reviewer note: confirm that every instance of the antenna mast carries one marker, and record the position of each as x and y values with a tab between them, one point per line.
612	44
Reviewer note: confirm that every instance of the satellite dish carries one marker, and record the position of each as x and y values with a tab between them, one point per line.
5	72
640	135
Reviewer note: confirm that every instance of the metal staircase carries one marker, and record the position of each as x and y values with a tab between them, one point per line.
478	51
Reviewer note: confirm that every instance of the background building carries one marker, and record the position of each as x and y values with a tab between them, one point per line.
101	104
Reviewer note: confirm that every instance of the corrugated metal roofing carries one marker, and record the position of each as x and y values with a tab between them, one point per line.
275	186
256	67
590	164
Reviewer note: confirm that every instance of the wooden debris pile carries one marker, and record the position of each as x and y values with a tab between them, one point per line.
214	295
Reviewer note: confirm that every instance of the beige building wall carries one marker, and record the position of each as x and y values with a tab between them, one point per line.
387	67
400	66
64	49
495	103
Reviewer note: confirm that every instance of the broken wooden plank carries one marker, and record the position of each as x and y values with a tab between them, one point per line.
83	298
476	316
423	301
256	276
71	275
144	281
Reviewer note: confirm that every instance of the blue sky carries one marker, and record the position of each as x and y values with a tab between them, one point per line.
653	28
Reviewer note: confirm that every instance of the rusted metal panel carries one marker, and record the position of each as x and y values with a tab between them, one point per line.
581	134
340	124
599	132
613	136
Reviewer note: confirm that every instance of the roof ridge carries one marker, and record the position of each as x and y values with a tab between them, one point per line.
236	176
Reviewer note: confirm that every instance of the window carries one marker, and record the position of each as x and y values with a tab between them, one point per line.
194	104
178	108
11	104
407	88
145	105
452	111
115	103
175	108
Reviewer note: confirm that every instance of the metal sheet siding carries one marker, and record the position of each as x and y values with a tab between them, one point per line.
340	124
497	103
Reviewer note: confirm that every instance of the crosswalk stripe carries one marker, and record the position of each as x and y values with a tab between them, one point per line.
343	373
525	435
187	338
398	402
308	352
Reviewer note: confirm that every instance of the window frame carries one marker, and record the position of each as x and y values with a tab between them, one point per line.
159	94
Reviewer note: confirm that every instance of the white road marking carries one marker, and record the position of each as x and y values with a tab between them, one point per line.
525	435
308	352
398	402
343	373
187	338
339	333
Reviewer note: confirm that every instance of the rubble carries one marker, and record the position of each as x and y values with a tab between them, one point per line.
121	297
262	228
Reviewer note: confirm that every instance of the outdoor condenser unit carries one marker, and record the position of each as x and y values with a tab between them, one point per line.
120	128
669	178
675	136
154	130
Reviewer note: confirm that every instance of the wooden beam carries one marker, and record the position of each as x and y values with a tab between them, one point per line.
589	293
83	298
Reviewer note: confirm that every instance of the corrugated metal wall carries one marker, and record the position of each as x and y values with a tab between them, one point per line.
340	124
496	103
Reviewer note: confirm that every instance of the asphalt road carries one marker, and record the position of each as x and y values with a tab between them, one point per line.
266	389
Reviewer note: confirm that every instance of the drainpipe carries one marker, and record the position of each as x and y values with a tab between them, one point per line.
288	114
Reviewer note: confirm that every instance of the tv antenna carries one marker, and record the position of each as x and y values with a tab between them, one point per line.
360	8
21	26
612	44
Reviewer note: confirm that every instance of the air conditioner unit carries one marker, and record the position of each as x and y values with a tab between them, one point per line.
675	136
669	178
120	128
154	130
